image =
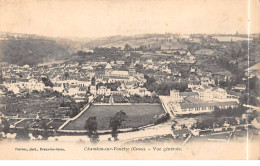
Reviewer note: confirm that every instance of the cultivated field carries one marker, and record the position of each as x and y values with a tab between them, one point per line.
138	115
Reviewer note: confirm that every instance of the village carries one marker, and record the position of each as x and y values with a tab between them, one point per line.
181	86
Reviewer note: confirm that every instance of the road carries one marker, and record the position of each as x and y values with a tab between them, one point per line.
161	129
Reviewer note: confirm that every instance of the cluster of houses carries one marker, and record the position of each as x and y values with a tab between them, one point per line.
22	78
74	79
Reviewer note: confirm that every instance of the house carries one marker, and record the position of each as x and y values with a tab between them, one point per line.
80	98
253	71
97	63
194	85
204	52
39	86
58	87
117	75
166	69
223	75
193	69
139	91
13	87
127	54
84	82
149	61
187	61
182	133
162	62
256	122
207	81
102	90
93	90
191	58
137	61
182	52
188	53
219	93
233	94
239	87
195	132
177	96
100	71
33	84
176	73
120	62
87	68
73	90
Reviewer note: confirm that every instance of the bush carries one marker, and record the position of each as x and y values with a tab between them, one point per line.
229	112
162	118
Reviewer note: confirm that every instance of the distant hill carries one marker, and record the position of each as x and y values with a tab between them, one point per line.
32	51
135	41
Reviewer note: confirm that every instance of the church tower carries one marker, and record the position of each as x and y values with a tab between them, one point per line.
108	69
131	69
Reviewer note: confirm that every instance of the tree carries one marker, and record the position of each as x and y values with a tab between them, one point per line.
1	129
75	109
248	99
205	123
232	121
44	126
229	112
47	82
6	126
23	134
162	118
254	84
116	122
91	127
220	121
128	47
82	53
93	81
66	75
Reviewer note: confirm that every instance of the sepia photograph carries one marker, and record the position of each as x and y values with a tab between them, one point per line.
129	79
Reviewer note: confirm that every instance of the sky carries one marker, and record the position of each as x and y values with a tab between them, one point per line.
98	18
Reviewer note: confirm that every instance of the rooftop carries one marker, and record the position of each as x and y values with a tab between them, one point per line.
204	104
180	132
118	72
188	94
254	67
108	66
194	100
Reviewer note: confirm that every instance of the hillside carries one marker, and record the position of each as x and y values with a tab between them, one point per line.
32	51
135	41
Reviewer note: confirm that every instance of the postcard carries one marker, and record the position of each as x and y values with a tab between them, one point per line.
129	79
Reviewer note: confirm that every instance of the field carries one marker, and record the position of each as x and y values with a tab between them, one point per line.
138	115
34	104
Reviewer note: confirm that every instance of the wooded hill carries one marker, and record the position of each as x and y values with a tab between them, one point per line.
32	51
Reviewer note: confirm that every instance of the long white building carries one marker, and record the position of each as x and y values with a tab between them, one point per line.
197	101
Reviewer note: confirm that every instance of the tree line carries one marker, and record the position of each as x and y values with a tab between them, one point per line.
163	88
